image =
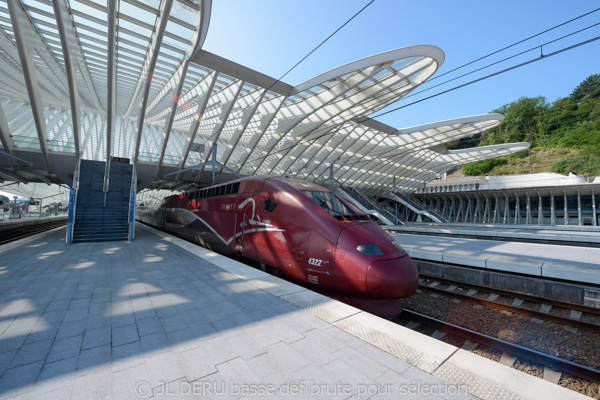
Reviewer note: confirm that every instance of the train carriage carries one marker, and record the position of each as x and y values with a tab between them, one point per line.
299	230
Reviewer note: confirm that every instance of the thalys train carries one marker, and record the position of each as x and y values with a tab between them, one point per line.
295	229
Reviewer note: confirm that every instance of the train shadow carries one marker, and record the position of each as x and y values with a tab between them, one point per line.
149	306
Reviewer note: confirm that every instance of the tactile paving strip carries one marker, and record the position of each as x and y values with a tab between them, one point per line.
390	345
312	308
474	385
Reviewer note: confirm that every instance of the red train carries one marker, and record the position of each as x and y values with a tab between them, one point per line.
298	230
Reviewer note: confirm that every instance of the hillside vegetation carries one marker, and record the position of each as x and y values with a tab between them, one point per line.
564	135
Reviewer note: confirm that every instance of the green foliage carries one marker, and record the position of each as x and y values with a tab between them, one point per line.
565	133
589	87
584	165
520	121
482	167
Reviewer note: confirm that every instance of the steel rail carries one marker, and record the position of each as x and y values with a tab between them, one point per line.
547	360
516	309
519	295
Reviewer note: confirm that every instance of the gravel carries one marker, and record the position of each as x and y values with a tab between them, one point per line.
545	336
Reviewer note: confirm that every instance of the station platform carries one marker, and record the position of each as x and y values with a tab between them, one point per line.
161	317
8	223
566	234
569	263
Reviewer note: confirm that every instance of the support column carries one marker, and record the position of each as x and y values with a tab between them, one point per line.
506	219
552	210
540	210
486	214
496	211
594	222
445	209
451	213
579	217
566	208
517	209
528	215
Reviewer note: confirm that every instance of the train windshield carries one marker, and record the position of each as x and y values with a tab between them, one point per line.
329	202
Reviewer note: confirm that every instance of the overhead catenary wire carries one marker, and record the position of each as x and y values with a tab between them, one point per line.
495	63
514	44
331	130
541	57
462	66
291	69
358	120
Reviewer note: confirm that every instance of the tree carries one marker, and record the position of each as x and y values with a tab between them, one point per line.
589	87
520	120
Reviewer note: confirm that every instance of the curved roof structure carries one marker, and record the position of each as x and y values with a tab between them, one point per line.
129	79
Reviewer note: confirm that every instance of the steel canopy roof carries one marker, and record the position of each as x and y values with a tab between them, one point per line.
130	79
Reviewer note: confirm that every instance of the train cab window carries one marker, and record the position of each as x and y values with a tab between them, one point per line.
269	205
329	202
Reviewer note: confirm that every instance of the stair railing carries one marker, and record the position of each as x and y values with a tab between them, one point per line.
106	179
73	202
369	204
132	193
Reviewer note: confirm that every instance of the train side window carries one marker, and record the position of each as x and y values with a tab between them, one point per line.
228	189
235	188
269	205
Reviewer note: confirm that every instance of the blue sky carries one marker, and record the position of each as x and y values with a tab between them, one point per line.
270	36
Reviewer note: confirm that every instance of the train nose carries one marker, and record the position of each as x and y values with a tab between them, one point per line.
393	278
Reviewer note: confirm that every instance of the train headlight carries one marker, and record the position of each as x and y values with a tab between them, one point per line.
370	249
397	245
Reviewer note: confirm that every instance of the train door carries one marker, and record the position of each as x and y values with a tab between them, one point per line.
160	217
240	225
320	269
245	234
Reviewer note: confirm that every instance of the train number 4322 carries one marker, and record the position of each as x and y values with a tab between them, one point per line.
315	261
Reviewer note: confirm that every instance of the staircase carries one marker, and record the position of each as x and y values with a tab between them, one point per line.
413	205
95	222
366	205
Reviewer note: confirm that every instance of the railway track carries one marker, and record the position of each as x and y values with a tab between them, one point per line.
573	320
546	360
9	234
547	338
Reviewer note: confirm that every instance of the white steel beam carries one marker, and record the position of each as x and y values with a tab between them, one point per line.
145	80
68	40
21	27
111	82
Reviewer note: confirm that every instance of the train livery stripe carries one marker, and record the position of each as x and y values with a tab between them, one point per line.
227	242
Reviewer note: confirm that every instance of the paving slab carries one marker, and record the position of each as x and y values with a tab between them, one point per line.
160	317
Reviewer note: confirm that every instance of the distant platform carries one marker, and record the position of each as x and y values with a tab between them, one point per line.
160	316
567	234
570	263
28	220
